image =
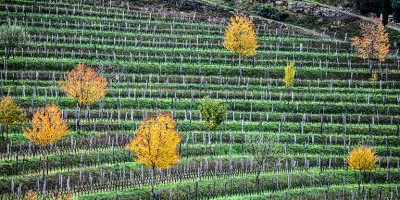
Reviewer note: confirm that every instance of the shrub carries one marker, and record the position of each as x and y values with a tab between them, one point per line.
269	11
396	10
213	112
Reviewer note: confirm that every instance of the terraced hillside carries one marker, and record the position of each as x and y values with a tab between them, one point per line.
158	61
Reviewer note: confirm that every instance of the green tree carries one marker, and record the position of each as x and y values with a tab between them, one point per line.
10	38
386	8
367	6
213	113
396	10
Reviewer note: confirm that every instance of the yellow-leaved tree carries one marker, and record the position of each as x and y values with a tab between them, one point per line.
84	85
289	74
374	78
374	40
362	159
30	195
48	127
10	114
156	143
240	37
59	196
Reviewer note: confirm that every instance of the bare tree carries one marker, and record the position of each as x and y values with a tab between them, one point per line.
264	150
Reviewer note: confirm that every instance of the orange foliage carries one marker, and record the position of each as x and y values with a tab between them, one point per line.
156	142
30	195
374	40
362	158
84	85
60	196
240	36
10	114
47	126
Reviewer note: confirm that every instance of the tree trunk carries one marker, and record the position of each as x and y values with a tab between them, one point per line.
44	162
152	182
370	64
359	181
6	65
79	117
258	175
240	65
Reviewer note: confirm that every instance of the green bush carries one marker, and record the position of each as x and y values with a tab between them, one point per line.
213	112
396	10
269	11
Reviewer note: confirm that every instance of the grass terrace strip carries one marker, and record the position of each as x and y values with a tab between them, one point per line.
130	79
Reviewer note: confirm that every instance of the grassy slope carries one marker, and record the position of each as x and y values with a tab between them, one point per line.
308	22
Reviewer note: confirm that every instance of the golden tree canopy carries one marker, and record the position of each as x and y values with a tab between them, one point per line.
374	77
10	114
84	85
30	195
362	158
374	40
47	126
240	36
156	142
61	196
289	74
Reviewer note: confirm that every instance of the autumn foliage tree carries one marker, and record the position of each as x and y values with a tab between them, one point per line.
374	40
48	127
213	113
362	159
10	114
240	37
84	85
30	195
155	143
374	78
289	75
59	196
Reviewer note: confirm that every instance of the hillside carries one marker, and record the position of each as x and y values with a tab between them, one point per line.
164	58
336	19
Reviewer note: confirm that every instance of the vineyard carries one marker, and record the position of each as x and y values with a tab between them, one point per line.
163	61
